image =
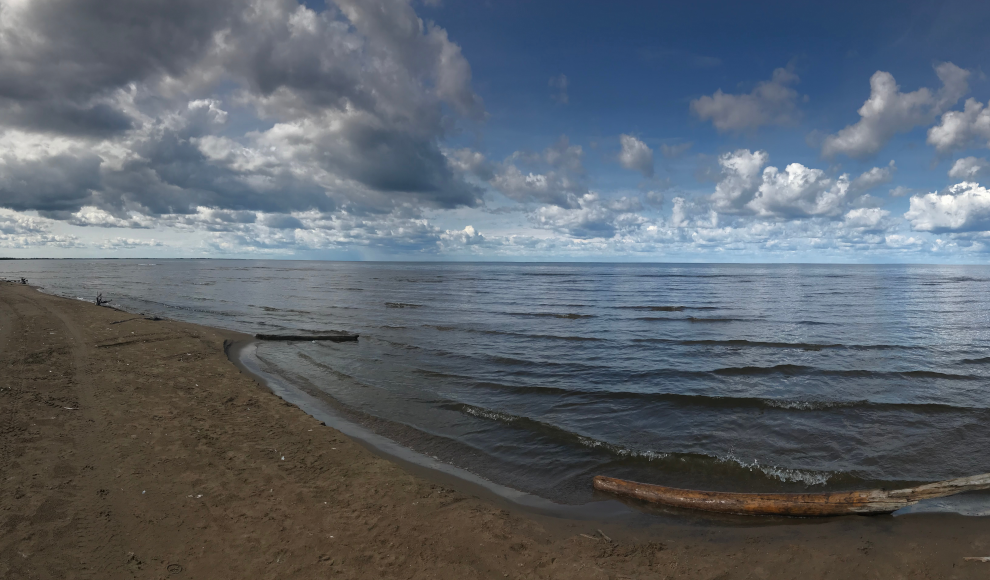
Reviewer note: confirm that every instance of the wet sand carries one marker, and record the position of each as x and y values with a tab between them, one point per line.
132	448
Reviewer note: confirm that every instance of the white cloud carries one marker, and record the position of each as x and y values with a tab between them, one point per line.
888	112
959	129
674	150
965	207
866	218
636	155
20	231
900	241
466	237
593	217
94	216
968	168
471	162
741	177
874	177
555	176
800	191
121	243
747	188
559	84
772	102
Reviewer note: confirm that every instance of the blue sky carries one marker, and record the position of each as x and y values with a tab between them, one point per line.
383	129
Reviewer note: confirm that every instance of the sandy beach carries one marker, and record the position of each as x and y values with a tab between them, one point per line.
133	448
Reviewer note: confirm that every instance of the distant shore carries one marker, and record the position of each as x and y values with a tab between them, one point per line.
133	448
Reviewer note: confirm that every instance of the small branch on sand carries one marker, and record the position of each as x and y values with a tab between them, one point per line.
24	280
100	301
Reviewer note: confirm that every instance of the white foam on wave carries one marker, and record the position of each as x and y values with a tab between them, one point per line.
810	405
489	414
620	450
784	474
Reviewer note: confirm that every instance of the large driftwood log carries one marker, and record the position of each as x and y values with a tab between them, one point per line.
876	501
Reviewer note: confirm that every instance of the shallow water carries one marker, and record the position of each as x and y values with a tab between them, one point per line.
539	376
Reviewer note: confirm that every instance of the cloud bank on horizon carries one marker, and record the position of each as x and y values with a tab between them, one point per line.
421	130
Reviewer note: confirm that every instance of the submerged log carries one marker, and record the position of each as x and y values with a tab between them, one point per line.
876	501
330	337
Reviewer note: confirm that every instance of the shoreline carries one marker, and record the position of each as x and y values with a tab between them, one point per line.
135	448
605	509
412	461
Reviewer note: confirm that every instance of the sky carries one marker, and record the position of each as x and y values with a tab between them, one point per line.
530	130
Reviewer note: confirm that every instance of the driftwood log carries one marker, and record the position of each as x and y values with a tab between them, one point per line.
876	501
330	337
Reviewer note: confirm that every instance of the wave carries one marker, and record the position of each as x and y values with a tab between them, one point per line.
670	461
666	308
976	361
550	315
789	369
683	400
693	319
813	346
340	375
272	309
402	305
443	328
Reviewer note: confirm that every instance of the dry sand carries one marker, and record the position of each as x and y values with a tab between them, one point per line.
132	448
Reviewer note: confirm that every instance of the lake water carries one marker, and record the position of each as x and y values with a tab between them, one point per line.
540	376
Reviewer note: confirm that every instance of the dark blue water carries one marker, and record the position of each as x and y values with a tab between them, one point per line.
540	376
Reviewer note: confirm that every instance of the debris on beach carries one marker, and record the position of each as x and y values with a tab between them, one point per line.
874	501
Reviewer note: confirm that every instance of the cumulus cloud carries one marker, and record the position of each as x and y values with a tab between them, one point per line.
741	177
20	231
466	237
960	129
874	177
799	191
866	219
64	63
555	176
94	216
968	168
591	217
964	207
888	111
771	102
472	162
899	241
347	107
636	155
746	187
121	243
